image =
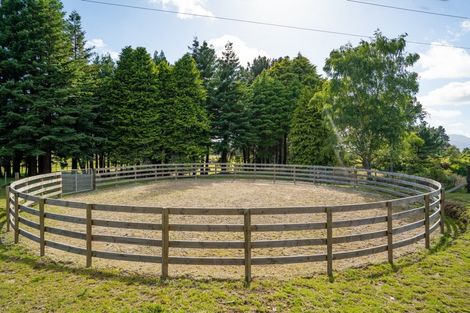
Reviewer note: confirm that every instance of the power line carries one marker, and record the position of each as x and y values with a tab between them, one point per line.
318	30
409	9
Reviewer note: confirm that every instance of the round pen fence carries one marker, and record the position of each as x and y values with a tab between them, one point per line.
406	196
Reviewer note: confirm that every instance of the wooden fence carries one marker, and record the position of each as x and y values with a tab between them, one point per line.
30	196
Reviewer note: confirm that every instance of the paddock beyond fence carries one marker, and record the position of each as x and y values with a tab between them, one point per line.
32	196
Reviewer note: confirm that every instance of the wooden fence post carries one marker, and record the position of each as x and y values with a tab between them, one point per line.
17	219
355	178
441	212
89	235
389	232
254	170
76	180
42	242
7	206
426	222
165	242
329	242
274	177
247	235
93	179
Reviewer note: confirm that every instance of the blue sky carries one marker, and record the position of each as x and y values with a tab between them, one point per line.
444	72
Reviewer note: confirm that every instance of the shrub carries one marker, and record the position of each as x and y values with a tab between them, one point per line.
459	213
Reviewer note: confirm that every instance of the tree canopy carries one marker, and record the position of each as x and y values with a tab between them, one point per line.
374	94
61	102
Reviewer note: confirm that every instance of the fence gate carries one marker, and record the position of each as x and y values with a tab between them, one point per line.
77	181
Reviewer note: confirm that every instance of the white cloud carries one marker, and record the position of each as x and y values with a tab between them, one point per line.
465	25
245	54
185	6
452	94
101	47
96	42
443	114
444	62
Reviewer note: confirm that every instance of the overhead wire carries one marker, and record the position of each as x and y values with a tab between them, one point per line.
255	22
409	9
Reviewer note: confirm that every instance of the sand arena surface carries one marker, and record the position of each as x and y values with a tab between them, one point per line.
217	193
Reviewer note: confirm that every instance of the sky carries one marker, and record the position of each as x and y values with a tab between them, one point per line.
444	72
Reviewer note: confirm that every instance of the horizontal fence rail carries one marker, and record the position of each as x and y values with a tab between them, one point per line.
31	196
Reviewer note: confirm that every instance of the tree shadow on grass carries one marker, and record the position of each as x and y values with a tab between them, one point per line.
452	232
18	254
24	256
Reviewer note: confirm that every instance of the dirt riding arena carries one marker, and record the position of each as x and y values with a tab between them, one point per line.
217	193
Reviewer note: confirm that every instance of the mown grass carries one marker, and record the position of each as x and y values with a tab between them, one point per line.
430	281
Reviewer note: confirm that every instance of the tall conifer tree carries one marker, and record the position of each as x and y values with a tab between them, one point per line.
226	108
137	131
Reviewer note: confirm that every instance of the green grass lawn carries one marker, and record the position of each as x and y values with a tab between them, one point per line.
431	281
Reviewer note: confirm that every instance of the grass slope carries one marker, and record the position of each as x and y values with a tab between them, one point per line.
434	281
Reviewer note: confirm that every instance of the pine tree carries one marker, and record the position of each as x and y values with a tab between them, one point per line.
266	114
159	57
81	144
226	108
259	64
135	96
311	137
190	124
103	123
36	75
166	86
294	75
206	62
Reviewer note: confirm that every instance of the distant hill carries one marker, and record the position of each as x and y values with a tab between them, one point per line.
460	141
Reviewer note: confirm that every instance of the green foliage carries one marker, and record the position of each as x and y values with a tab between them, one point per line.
311	138
266	114
60	104
82	143
206	60
374	101
257	66
36	76
435	140
226	108
159	57
103	110
187	129
135	117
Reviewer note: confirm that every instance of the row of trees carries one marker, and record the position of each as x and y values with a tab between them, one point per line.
61	102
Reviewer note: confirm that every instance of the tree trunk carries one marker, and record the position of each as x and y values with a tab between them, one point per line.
284	160
45	163
32	165
206	166
16	164
101	160
224	159
74	163
7	167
